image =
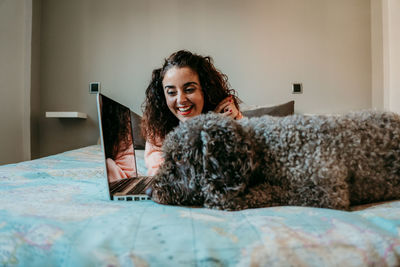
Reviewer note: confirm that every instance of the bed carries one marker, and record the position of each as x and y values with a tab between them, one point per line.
55	211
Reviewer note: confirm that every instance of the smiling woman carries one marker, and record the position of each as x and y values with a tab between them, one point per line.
185	86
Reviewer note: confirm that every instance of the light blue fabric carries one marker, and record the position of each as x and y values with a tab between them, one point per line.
55	212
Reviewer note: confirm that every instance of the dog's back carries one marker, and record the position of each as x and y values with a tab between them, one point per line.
366	144
375	166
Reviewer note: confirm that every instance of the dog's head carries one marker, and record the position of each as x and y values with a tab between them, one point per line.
208	162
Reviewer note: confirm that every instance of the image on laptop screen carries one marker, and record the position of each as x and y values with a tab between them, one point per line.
119	153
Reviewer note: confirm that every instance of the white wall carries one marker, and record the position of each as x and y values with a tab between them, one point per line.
377	54
262	45
15	22
391	54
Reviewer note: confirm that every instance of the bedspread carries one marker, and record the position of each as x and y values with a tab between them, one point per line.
55	211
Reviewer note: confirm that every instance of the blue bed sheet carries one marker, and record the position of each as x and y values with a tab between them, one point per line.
55	211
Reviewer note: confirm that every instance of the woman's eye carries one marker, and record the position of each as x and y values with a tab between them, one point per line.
171	93
189	90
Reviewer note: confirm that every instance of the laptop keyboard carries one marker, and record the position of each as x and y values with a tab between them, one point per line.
139	188
119	186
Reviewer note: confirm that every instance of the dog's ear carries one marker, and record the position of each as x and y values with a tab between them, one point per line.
227	162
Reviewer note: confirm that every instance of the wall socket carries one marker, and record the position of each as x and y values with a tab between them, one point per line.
94	87
297	88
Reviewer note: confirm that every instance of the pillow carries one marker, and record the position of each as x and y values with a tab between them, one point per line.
139	141
279	110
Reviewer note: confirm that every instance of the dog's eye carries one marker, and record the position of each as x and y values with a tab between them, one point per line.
178	158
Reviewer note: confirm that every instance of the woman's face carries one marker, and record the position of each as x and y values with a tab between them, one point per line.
183	92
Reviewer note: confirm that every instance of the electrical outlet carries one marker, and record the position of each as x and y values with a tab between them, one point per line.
94	87
297	88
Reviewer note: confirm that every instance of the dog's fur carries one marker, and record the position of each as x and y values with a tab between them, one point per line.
319	161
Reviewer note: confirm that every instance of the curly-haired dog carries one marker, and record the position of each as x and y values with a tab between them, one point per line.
318	161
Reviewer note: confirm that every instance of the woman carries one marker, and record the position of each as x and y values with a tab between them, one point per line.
185	86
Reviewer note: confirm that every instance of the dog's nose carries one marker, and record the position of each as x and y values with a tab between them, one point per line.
149	191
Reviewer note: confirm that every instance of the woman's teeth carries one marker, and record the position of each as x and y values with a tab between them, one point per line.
184	109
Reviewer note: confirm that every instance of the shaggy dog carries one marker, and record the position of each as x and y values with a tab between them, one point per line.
318	161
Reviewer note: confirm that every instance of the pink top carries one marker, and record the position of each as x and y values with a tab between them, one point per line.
153	154
123	166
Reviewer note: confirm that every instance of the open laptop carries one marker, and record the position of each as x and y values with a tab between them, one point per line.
117	142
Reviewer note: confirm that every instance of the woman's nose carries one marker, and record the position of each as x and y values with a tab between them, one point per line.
181	97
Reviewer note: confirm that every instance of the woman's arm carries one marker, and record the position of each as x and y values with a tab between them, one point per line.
152	158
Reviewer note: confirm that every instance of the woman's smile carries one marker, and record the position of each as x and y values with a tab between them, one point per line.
185	110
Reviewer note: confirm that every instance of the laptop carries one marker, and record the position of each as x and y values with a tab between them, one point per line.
117	142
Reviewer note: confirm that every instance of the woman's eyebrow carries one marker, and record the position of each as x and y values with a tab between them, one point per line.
169	87
190	83
185	85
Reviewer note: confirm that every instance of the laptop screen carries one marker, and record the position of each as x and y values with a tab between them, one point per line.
116	130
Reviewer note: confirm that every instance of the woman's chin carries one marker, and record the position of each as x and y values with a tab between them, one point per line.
185	117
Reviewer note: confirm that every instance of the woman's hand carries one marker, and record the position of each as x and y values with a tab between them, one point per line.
227	108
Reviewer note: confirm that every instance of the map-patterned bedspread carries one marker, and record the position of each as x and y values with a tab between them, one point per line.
55	211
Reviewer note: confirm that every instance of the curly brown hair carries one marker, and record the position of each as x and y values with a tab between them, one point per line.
158	120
